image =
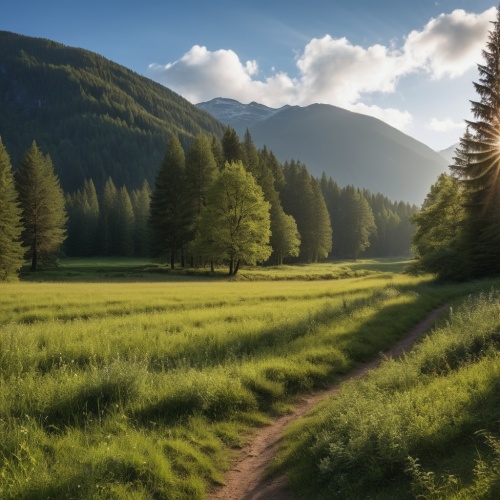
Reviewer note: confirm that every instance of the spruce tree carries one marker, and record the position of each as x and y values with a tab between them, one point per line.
478	166
125	224
108	219
11	250
43	207
141	203
231	146
168	212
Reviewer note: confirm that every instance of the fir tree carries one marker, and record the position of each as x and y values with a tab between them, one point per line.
168	213
141	204
11	250
478	166
43	207
108	219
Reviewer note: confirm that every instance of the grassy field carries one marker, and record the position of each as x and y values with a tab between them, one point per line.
426	426
124	380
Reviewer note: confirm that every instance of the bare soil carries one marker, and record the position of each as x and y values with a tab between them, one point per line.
246	480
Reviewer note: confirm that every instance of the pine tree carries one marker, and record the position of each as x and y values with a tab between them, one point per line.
478	166
201	170
141	204
43	207
124	243
303	199
11	250
108	219
231	146
168	212
357	223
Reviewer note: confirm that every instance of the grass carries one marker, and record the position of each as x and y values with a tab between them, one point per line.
140	385
420	427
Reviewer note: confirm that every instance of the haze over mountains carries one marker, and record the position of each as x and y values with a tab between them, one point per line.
350	147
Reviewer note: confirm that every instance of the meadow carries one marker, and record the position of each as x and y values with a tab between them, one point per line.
123	380
424	426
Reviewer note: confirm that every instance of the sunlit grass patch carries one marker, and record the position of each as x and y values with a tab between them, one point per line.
140	389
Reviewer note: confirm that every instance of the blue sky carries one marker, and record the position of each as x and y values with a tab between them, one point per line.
410	63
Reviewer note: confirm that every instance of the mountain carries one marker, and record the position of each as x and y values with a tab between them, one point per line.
350	147
239	116
94	117
449	153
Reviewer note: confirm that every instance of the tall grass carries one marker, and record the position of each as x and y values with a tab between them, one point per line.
140	389
422	426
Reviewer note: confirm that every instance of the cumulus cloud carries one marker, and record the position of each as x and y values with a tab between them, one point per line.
334	71
445	125
450	44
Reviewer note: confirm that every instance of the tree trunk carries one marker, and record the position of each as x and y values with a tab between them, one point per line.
231	263
34	258
172	259
237	266
212	270
183	259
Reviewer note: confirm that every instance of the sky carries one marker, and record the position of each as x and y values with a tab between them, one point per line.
410	63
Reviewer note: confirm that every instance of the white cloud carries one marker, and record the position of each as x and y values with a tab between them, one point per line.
450	44
333	71
445	125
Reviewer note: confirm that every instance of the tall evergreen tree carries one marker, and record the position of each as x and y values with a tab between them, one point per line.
140	203
231	146
201	170
124	243
43	207
479	167
108	218
11	250
358	223
303	199
168	217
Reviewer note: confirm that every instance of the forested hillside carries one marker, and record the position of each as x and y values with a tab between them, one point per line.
96	118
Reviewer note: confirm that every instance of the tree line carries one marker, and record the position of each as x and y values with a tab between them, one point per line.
214	202
458	229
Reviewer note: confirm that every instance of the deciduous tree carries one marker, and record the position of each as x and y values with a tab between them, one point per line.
234	224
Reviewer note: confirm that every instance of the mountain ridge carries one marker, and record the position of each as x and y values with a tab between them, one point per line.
94	117
350	147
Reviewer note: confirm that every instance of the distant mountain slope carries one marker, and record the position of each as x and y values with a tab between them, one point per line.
95	118
352	148
449	153
239	116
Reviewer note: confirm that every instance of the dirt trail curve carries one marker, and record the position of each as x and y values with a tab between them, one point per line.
246	480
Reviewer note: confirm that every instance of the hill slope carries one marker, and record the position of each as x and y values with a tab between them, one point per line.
352	148
95	118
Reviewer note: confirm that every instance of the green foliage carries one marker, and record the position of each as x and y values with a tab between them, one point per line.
438	239
234	225
97	119
43	207
167	218
477	169
411	428
11	250
302	198
143	391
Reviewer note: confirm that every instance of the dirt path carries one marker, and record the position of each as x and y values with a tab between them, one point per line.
246	480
